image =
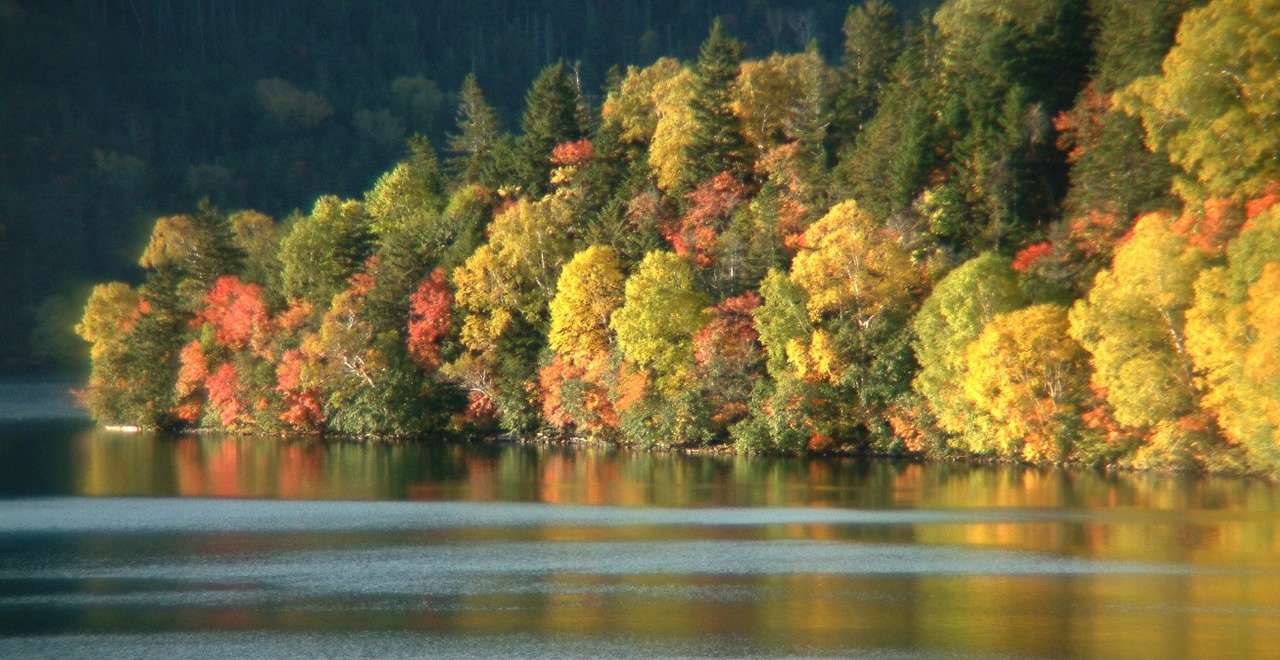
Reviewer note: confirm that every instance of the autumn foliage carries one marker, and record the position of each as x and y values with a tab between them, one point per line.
960	267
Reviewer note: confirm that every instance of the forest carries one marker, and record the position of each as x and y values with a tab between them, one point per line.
1031	230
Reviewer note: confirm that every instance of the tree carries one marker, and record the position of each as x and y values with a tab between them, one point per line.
479	144
853	267
768	97
634	104
662	310
729	359
588	293
715	138
1100	139
1232	338
551	117
1133	324
1213	108
673	133
888	163
502	292
430	319
258	238
872	43
951	318
189	252
1029	379
322	250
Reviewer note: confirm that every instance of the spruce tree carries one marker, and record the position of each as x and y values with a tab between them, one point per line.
872	43
551	117
479	142
716	144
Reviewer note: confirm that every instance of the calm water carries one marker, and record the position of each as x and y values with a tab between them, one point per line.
137	546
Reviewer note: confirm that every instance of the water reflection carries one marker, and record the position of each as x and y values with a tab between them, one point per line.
297	548
1149	516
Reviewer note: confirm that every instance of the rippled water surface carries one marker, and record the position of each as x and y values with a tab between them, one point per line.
140	546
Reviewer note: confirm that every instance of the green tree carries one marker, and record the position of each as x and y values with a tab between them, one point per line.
950	319
872	43
662	310
715	141
479	145
551	117
322	250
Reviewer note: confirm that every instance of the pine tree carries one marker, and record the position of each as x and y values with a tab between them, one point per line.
716	144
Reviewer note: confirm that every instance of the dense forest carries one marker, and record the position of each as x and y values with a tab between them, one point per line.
1040	230
118	111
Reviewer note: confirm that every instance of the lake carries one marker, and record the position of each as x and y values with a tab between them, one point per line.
210	546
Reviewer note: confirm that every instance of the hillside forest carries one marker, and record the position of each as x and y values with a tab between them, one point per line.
1033	230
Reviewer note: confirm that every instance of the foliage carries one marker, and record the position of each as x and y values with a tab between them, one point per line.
661	311
1213	108
1028	385
952	317
989	269
1232	338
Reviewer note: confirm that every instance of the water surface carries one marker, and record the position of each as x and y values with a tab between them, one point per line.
136	545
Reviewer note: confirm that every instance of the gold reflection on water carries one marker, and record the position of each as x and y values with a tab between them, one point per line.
1217	538
1149	517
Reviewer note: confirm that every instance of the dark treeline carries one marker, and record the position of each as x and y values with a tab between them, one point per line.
1041	230
117	110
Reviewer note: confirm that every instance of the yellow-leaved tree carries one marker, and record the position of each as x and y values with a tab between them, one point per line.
1233	334
1133	323
1030	379
1215	107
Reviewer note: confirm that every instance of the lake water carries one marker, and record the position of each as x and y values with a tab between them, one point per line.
139	546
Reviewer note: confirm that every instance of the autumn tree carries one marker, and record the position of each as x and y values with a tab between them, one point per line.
951	318
662	310
1232	338
576	383
1030	381
503	291
430	319
1133	324
1213	108
861	286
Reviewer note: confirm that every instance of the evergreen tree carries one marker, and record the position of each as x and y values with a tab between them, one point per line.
715	142
889	162
872	43
551	117
479	142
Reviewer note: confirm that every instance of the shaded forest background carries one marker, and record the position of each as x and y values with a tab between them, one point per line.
114	112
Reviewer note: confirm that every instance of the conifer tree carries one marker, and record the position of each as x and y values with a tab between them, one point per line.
551	117
479	142
872	43
716	144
